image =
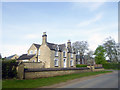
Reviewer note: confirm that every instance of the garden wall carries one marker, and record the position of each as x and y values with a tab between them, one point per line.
29	73
38	73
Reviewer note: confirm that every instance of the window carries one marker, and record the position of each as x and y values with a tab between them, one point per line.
64	54
56	62
56	53
71	62
33	60
71	55
57	48
31	52
39	60
39	52
35	51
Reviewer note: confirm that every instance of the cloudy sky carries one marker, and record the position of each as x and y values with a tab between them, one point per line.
24	22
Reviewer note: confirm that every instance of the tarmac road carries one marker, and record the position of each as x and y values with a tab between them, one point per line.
103	81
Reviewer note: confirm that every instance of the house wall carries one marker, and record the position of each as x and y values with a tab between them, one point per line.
45	55
32	48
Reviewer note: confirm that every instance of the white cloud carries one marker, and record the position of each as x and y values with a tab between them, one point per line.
91	21
8	50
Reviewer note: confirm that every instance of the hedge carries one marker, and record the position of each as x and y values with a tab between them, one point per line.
111	66
81	65
9	69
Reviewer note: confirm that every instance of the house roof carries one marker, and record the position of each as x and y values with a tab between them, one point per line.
10	56
37	45
25	56
53	46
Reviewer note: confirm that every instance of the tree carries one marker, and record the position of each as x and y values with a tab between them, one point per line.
90	58
100	55
111	49
80	46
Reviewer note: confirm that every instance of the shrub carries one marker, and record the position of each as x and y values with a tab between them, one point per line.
81	65
111	66
9	69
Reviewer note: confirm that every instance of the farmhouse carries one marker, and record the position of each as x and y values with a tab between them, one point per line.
50	54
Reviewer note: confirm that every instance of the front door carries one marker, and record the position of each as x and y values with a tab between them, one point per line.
64	63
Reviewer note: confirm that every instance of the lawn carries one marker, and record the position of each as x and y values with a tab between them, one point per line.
34	83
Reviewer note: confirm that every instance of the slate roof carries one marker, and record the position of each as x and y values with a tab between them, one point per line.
25	56
10	56
55	47
37	45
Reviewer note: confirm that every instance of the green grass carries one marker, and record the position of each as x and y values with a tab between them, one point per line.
34	83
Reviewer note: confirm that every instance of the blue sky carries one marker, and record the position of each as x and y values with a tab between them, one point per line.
24	22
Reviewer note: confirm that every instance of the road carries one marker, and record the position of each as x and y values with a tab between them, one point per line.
103	81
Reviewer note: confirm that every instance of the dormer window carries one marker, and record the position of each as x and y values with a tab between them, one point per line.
64	54
56	53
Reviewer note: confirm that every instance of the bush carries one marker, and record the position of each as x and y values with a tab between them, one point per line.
81	65
9	69
111	66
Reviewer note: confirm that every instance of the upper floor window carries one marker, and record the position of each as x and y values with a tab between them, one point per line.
39	52
31	51
35	51
56	62
71	62
71	55
57	47
56	53
64	54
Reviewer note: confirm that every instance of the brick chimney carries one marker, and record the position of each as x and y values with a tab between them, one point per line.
44	38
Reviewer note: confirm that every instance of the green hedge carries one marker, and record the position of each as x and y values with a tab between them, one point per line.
81	65
111	66
9	69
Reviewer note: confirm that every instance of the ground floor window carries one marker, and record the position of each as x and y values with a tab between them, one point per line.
33	60
39	60
56	62
71	62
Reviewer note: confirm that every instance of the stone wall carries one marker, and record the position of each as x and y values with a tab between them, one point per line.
29	75
33	64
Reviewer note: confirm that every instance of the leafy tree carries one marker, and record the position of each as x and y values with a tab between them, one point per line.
100	55
80	46
111	49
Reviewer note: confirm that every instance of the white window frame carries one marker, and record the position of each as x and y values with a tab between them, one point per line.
56	53
39	52
31	51
71	55
71	62
56	62
33	60
64	55
39	60
35	51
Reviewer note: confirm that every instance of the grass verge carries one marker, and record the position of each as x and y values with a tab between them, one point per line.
34	83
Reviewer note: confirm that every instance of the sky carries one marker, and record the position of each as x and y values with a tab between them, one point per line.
23	24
